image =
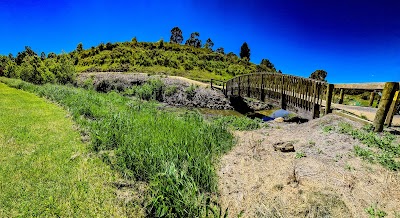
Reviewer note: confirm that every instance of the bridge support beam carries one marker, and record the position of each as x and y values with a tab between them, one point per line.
371	99
328	100
384	105
341	96
392	109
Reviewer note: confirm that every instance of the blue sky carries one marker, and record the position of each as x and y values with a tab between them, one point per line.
353	40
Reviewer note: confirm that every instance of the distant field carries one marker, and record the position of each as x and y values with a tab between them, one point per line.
44	166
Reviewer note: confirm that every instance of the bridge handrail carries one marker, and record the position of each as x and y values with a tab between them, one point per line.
301	92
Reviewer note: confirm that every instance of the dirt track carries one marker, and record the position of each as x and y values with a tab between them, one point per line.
329	181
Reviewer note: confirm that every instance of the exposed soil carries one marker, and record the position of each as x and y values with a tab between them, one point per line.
202	97
325	180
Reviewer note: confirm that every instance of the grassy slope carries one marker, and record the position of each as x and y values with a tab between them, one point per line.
44	166
171	59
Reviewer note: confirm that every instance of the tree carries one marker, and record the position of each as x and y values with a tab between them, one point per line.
209	44
42	56
220	50
51	55
194	40
245	51
11	56
79	48
161	44
319	75
266	65
21	55
176	35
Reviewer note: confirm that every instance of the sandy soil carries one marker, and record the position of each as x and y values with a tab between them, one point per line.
257	181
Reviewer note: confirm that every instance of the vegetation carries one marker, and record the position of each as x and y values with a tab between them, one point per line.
245	51
189	60
173	154
176	36
29	67
238	123
44	166
380	148
319	75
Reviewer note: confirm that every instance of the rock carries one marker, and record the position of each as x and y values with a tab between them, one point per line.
284	147
280	113
279	120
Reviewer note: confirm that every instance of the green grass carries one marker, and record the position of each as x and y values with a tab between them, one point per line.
174	154
44	166
238	123
381	148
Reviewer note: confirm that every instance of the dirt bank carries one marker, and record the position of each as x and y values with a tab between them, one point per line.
322	178
202	96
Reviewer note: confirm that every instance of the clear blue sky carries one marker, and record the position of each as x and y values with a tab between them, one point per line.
353	40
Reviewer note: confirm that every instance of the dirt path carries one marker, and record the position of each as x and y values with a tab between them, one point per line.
329	181
368	112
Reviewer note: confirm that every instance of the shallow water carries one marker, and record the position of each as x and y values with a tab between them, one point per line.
207	111
259	114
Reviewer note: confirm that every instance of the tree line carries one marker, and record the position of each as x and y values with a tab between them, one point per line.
31	67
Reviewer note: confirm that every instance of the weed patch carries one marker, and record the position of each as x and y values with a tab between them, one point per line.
382	148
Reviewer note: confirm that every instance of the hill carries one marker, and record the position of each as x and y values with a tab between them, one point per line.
145	57
163	57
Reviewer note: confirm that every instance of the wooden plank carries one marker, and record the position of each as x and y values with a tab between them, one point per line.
363	86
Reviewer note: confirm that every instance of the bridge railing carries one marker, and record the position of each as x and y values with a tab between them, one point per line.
307	97
388	104
301	95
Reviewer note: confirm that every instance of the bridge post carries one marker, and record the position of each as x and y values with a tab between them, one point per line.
392	110
239	85
262	88
248	86
384	105
341	96
328	100
283	95
371	98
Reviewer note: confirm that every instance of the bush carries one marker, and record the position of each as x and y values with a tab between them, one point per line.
191	91
170	90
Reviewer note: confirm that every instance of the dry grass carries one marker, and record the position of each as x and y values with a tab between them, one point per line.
329	181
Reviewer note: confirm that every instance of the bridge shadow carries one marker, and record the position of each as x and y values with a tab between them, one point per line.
241	106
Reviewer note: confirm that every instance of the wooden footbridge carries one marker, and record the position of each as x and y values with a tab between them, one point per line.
310	98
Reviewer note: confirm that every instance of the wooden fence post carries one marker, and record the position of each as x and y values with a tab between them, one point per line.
392	109
239	85
315	107
283	96
371	98
341	96
262	88
329	92
211	83
384	105
248	85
